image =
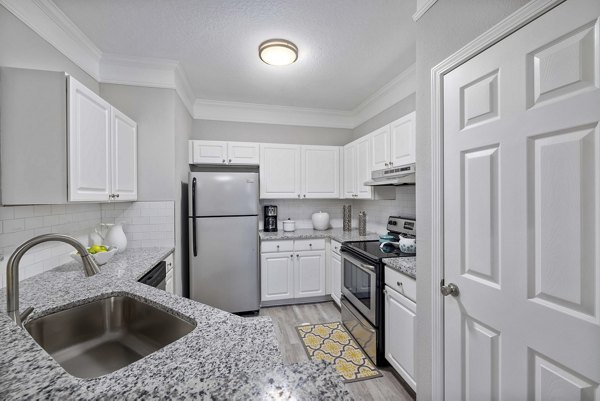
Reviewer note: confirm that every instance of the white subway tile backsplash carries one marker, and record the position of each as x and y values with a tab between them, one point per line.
23	211
11	226
146	224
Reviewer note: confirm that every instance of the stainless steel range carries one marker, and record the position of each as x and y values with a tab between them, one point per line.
363	282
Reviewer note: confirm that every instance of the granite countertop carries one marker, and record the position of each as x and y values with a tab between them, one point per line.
225	357
337	234
405	265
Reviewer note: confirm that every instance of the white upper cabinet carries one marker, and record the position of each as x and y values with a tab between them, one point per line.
89	138
124	156
244	153
221	152
380	148
349	172
280	173
357	169
294	171
394	144
403	136
102	149
208	152
78	147
320	172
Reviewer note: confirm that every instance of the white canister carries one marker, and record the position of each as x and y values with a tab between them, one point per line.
289	225
320	221
116	237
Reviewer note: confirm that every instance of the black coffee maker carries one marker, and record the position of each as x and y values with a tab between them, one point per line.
270	219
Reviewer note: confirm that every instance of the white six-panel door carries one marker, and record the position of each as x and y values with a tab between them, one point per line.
89	132
124	156
522	213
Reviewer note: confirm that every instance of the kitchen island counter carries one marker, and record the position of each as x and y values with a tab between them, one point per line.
225	357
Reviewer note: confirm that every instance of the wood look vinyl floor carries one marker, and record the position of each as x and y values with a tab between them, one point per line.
286	319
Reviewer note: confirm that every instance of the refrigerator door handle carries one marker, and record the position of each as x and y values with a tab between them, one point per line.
194	217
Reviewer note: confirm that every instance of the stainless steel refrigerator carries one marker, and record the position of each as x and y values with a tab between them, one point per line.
223	232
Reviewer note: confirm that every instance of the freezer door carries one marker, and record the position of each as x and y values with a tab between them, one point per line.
224	272
223	194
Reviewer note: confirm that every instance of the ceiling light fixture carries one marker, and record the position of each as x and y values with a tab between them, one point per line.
278	52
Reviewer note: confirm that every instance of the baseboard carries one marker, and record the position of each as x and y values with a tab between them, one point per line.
296	301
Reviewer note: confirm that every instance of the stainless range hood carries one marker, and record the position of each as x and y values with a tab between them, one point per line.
403	175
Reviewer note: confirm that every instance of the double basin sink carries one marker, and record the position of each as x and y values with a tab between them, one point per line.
105	335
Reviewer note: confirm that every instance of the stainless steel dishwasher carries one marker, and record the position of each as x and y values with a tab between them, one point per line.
156	277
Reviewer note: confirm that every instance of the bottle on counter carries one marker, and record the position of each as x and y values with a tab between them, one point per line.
347	215
362	223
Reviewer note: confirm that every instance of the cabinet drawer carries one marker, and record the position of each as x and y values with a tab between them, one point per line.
309	244
276	246
336	247
405	285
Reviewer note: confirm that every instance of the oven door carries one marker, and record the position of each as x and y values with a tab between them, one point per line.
359	285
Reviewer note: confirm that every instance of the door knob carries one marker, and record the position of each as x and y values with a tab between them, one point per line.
450	289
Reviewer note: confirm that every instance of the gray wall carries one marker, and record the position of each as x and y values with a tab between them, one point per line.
23	48
255	132
445	28
394	112
164	128
183	129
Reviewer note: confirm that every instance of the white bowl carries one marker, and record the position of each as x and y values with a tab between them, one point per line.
101	258
320	221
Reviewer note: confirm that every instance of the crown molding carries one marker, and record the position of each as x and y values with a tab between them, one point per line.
48	21
424	6
205	109
397	89
148	72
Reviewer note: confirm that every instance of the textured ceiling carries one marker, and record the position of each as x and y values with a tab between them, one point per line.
348	49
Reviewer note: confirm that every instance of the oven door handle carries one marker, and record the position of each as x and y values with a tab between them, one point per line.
359	264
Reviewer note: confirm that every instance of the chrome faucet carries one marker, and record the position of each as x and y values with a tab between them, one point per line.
12	270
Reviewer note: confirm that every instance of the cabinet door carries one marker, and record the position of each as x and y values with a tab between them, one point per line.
363	169
279	171
276	276
336	277
403	135
380	148
89	133
320	172
350	170
124	156
245	153
400	319
208	152
309	274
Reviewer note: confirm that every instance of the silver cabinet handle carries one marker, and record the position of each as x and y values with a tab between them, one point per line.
310	245
297	255
229	160
450	289
304	195
277	246
292	255
117	195
223	160
387	164
298	195
398	283
391	163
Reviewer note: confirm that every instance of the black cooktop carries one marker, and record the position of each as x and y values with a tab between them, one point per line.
371	250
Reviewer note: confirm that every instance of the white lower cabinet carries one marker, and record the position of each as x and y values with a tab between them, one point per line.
400	326
336	271
277	276
170	280
309	274
299	273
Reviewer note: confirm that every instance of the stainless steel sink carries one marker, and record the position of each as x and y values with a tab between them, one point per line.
105	335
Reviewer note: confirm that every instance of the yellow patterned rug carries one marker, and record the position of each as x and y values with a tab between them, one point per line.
332	343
